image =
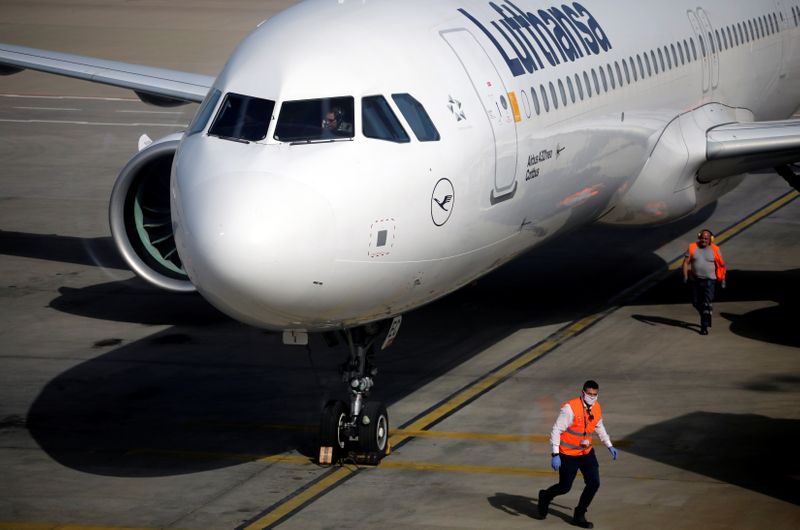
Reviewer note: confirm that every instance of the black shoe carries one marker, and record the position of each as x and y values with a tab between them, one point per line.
579	519
544	503
704	330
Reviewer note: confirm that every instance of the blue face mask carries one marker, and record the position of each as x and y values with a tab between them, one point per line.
589	400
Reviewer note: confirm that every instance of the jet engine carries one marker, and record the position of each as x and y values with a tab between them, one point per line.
140	219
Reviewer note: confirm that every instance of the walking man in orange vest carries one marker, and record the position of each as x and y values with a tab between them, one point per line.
572	451
704	265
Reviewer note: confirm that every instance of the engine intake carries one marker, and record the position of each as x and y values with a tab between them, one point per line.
140	219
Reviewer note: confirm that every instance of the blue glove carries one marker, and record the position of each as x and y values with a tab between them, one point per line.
613	452
556	462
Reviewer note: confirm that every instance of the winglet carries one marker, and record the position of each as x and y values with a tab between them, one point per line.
144	141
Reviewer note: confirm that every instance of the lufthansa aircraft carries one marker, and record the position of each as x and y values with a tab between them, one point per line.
321	189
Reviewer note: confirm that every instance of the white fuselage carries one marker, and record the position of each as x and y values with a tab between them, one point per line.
324	235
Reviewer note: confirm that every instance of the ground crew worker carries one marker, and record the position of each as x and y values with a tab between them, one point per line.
572	451
703	264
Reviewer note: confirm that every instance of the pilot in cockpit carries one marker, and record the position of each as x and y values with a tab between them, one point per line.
334	124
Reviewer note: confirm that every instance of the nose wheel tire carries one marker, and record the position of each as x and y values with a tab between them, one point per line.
332	426
373	428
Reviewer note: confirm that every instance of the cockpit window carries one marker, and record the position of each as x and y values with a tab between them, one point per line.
242	118
312	120
204	112
417	118
380	121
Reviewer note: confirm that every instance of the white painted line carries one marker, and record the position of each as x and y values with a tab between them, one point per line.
111	124
151	112
26	96
44	108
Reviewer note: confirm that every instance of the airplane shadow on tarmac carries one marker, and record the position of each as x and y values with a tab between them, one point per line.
726	447
776	324
209	392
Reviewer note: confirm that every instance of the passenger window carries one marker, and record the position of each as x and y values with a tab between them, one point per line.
661	60
553	94
633	69
526	104
242	118
571	89
611	76
315	119
587	83
596	83
204	112
627	72
379	122
619	73
579	85
563	93
603	79
647	62
535	99
417	118
545	101
694	50
641	65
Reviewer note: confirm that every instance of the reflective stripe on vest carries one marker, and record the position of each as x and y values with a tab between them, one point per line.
577	439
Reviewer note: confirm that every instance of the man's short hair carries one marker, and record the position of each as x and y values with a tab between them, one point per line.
591	383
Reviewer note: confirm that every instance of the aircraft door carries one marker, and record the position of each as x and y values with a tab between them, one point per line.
712	48
497	104
704	60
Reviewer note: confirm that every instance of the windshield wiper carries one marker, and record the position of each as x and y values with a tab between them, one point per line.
307	141
231	138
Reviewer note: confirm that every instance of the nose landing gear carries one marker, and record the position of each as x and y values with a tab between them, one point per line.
359	431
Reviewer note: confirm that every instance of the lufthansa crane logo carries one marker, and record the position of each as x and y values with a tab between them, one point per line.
442	201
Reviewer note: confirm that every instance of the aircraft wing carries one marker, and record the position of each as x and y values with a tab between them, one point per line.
158	86
737	148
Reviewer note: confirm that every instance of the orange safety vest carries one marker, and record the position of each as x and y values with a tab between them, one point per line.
719	265
577	439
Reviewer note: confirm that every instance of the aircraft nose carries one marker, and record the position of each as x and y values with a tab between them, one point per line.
259	246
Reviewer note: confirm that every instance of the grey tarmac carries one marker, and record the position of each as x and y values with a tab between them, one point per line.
125	407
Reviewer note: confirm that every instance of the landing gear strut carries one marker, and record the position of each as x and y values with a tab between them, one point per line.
363	426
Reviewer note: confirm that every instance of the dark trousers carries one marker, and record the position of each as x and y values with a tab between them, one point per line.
702	298
589	468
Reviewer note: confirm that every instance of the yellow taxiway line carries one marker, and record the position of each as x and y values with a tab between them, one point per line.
420	427
492	379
